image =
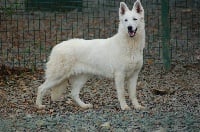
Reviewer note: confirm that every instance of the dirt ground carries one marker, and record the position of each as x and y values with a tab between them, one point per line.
172	101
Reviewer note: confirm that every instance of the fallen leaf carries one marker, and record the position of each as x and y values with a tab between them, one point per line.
160	91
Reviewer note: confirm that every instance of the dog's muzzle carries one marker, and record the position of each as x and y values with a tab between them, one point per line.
131	32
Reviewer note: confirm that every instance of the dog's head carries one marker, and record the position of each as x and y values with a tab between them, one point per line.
130	20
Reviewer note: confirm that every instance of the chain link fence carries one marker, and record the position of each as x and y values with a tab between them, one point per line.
30	28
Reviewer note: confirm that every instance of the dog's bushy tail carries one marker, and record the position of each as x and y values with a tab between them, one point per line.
57	91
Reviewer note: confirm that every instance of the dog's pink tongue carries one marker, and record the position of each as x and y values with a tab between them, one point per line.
131	34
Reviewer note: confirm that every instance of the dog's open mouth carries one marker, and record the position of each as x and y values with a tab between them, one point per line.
132	32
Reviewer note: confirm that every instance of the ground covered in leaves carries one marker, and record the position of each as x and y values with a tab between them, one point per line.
172	101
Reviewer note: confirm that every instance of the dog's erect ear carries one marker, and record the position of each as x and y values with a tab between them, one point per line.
138	7
123	8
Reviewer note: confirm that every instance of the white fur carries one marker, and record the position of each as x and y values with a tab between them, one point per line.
119	57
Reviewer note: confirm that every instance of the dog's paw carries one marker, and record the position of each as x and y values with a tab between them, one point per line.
40	106
87	106
126	107
139	107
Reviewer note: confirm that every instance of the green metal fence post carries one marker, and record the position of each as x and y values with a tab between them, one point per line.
165	34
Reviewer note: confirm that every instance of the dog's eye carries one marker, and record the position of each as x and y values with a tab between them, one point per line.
125	20
134	19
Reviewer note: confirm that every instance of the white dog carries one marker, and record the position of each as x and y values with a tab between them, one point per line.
119	57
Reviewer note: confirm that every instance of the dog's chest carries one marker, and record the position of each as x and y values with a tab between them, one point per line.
133	62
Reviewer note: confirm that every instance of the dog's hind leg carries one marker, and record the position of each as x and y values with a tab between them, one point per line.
41	91
48	84
58	91
77	83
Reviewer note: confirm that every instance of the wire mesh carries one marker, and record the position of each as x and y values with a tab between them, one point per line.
30	28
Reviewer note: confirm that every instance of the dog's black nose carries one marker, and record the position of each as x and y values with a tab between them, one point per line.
130	28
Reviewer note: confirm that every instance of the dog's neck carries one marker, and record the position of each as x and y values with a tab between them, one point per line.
134	43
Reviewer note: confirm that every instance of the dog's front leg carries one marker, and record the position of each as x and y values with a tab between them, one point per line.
132	90
119	83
